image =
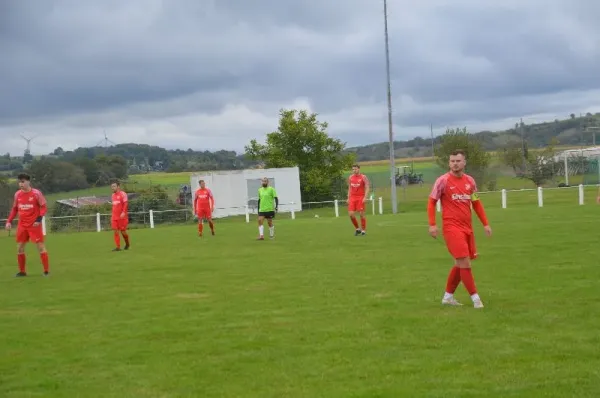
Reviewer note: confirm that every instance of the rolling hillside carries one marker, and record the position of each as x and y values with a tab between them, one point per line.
574	131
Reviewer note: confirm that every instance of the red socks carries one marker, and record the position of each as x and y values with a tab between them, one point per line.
363	222
453	280
466	275
200	228
45	261
21	259
117	239
125	237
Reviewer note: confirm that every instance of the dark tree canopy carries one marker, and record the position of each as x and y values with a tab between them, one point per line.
478	160
301	140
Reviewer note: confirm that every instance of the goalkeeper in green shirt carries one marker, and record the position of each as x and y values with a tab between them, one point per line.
268	205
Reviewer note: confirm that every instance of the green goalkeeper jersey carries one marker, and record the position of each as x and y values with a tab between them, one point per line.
266	196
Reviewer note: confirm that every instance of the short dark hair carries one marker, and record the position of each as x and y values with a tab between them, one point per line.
457	152
200	182
116	182
356	165
24	176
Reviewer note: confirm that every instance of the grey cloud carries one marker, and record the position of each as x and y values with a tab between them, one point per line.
109	63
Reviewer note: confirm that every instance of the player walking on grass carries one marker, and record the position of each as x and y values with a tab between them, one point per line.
268	205
457	192
358	191
30	205
204	205
120	216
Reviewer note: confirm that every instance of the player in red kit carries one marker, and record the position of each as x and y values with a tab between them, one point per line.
120	216
30	205
457	192
204	205
358	191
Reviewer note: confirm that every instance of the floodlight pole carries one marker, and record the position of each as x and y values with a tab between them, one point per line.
390	123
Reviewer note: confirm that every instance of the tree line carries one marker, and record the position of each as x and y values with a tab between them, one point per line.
140	158
575	130
55	175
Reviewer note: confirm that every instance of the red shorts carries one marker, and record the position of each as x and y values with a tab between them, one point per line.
356	204
204	213
460	244
119	224
26	234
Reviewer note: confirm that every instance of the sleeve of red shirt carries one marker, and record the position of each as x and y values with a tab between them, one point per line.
212	199
431	211
125	202
478	206
42	203
479	210
434	196
14	211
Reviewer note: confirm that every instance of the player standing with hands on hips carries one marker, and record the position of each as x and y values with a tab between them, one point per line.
30	205
268	205
358	192
457	192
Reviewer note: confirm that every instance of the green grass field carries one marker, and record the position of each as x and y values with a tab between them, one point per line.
315	313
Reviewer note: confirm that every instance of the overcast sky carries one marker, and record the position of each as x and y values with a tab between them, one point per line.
213	74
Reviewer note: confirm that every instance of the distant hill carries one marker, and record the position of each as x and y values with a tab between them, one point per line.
573	131
153	158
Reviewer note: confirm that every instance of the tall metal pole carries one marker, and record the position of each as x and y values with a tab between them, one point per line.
390	124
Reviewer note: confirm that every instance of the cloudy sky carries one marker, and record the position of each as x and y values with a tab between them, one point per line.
212	74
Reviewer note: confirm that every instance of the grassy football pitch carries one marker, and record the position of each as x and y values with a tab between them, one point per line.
315	313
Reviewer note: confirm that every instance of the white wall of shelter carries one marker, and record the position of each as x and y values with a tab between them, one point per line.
235	189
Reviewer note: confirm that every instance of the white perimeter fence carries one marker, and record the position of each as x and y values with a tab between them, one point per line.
101	222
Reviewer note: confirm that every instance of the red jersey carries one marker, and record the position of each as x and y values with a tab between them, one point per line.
357	184
29	206
119	205
456	195
204	199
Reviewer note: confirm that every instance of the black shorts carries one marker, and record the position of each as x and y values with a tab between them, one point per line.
266	214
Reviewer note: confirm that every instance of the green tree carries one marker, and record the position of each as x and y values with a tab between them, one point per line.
514	155
111	167
6	196
478	159
93	174
541	166
51	176
301	140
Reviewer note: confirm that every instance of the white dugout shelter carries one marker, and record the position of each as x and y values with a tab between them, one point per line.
234	190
